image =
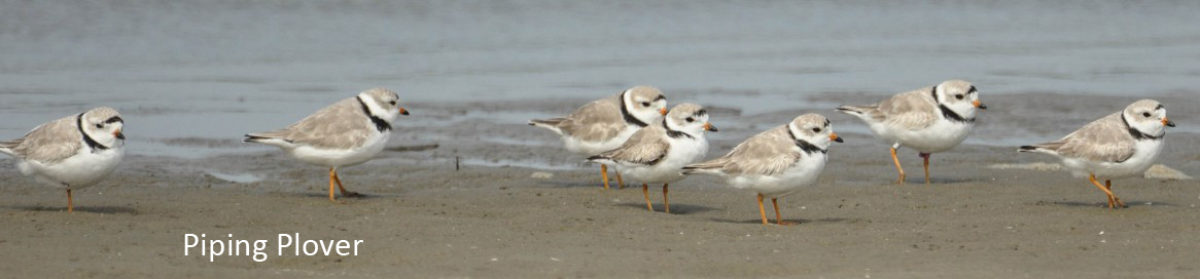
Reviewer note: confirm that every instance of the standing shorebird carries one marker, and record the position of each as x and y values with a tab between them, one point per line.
776	162
347	133
657	154
605	124
1119	145
72	152
931	119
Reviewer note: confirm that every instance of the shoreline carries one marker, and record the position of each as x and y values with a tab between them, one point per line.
422	218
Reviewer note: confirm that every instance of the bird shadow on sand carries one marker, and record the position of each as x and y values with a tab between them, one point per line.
772	221
356	196
676	209
1103	204
87	209
935	181
579	184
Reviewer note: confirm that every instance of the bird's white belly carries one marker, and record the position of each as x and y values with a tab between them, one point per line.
802	173
1147	152
79	171
670	169
941	136
342	157
589	148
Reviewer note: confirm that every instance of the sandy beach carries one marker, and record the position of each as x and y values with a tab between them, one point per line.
468	190
423	218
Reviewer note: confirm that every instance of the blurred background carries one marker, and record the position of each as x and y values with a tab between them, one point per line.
193	76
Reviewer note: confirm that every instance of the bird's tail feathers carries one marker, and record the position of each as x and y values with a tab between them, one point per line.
601	159
551	124
710	167
1036	149
856	110
7	146
263	139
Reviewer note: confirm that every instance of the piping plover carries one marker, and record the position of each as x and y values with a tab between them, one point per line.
1119	145
347	133
657	153
72	152
776	162
605	124
931	119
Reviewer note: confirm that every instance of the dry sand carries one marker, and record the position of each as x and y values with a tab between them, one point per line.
423	218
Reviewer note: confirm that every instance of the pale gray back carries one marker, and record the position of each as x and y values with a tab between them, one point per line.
768	153
51	142
599	120
1106	139
343	125
646	146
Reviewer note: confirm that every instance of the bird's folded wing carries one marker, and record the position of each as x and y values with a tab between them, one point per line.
646	147
768	153
913	110
1105	140
51	142
343	125
599	120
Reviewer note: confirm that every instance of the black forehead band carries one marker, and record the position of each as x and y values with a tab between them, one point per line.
701	112
660	97
1160	106
114	119
826	122
971	90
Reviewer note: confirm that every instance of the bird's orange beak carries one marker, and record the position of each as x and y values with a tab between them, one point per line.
708	126
979	104
835	137
662	111
402	111
1167	122
118	134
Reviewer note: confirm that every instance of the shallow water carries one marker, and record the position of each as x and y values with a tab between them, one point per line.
218	69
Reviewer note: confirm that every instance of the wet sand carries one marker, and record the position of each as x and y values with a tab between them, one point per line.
423	218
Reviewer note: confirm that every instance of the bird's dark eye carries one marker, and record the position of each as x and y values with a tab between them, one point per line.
645	104
689	119
816	130
99	126
1145	114
959	96
392	103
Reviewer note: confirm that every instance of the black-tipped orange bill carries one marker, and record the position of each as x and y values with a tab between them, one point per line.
118	134
979	104
403	111
709	127
662	111
1167	122
835	137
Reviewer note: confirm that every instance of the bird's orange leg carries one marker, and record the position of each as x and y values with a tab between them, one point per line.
1111	202
926	157
70	203
620	182
898	167
762	212
604	175
343	189
666	202
646	193
1111	197
331	179
779	217
1108	185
